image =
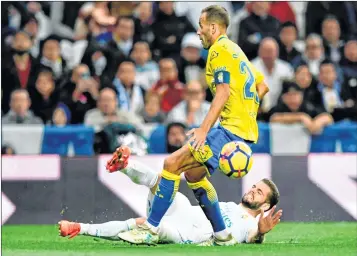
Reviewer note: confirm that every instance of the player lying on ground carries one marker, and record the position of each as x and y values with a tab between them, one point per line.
184	223
237	88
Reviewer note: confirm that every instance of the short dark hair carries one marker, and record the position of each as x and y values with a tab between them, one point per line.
217	13
273	197
125	17
327	62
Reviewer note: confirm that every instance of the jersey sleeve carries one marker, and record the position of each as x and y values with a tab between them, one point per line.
221	61
259	77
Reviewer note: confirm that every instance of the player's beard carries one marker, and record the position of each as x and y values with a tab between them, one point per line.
250	204
206	42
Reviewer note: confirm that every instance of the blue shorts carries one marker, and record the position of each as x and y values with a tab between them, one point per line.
216	139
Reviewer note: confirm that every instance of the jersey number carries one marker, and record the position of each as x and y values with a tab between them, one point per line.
248	94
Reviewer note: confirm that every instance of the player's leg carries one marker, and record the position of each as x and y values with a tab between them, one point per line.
203	189
207	197
139	173
109	229
178	162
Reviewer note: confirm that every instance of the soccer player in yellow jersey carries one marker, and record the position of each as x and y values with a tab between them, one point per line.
237	87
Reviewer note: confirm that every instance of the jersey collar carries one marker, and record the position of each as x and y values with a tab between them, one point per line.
220	38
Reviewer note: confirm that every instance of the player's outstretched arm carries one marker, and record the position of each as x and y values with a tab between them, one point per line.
265	224
262	89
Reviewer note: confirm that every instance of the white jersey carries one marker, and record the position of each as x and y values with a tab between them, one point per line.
238	220
184	223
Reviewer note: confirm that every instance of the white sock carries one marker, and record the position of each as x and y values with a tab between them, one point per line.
141	174
222	235
151	227
108	229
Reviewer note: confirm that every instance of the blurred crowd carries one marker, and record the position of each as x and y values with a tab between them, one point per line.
120	66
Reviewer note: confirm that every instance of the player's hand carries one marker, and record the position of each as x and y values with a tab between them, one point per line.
198	137
267	223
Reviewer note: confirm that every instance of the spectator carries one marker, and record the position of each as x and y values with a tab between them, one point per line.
107	112
191	64
44	95
61	116
349	66
169	30
258	25
335	98
130	94
168	87
175	137
152	113
101	63
293	109
63	16
313	56
333	44
99	29
307	84
19	69
288	35
7	150
32	28
281	10
79	93
274	70
143	21
51	56
317	11
147	71
19	6
123	36
19	109
193	109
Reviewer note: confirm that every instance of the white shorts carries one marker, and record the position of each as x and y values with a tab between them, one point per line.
183	223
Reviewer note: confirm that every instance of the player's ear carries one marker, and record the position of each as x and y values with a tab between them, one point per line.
265	207
214	28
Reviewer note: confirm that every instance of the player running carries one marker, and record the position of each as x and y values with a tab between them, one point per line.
187	224
237	88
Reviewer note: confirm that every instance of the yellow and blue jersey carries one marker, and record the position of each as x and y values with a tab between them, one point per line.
228	64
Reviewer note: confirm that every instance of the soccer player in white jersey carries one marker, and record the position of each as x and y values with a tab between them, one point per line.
184	223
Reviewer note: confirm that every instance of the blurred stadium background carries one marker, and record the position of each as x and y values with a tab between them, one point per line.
79	79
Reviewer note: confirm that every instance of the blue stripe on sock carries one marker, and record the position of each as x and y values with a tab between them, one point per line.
211	209
162	201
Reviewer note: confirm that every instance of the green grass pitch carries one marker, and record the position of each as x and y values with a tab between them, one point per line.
287	239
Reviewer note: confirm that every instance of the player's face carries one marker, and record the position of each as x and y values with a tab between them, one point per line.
257	196
204	32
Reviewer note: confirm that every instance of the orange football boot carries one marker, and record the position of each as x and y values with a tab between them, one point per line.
119	159
67	228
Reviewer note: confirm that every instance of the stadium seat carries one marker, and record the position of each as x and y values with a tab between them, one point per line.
157	140
263	145
56	140
342	133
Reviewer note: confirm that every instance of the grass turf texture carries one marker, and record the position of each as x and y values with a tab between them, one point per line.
286	239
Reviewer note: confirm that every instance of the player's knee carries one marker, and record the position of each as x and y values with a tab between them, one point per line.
170	165
193	177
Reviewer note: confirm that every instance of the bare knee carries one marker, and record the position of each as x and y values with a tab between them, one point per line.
170	164
196	175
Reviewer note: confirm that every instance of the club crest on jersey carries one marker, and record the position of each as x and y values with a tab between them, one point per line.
214	54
